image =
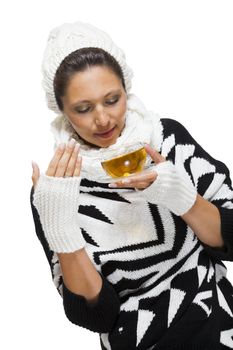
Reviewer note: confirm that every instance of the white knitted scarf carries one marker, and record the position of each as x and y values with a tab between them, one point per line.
141	125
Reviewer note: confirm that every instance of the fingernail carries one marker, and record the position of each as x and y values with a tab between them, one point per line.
76	147
112	185
33	164
62	146
71	143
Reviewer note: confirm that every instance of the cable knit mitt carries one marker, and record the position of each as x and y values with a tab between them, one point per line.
56	200
170	189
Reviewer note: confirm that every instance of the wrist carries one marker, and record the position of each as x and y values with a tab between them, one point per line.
171	189
57	202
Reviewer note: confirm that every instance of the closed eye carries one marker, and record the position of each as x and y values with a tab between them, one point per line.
83	110
110	102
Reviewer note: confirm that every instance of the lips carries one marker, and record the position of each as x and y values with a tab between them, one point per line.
105	133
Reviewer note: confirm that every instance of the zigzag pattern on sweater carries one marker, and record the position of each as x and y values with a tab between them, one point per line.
166	281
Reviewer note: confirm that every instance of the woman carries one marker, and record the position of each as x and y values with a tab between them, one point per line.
139	263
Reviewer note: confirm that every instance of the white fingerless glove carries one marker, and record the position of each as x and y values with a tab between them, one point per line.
57	200
171	189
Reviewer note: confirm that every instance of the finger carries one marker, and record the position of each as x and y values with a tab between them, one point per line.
149	177
72	161
142	185
155	155
78	166
55	160
64	160
138	185
137	181
35	173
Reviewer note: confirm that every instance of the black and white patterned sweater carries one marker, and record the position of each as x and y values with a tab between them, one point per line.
162	287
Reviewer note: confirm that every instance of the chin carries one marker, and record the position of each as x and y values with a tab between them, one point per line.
107	143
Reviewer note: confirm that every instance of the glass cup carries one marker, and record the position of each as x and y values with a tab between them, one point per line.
128	163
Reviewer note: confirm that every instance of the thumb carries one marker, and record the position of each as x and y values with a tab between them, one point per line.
155	155
35	173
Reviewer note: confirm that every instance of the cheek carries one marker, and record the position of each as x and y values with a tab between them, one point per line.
80	125
122	110
84	127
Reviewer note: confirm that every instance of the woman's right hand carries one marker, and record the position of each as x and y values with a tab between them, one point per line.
66	162
56	198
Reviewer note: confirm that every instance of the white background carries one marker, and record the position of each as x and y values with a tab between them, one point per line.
181	54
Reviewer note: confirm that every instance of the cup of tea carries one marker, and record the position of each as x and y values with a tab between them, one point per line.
131	161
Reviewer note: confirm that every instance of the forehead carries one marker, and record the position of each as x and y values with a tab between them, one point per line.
92	84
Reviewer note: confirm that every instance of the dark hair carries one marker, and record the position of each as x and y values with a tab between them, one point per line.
79	61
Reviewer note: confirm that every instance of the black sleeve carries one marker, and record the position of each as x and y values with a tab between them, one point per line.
97	317
226	253
210	176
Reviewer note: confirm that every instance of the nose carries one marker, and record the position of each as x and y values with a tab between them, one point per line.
102	118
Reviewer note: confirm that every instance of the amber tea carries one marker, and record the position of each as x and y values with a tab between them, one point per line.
125	164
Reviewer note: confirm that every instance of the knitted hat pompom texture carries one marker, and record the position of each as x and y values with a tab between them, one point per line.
69	37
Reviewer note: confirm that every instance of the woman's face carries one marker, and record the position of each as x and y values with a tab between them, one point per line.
95	103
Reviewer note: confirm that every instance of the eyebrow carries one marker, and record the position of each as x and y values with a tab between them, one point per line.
83	101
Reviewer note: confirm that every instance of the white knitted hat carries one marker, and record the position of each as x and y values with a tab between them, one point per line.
70	37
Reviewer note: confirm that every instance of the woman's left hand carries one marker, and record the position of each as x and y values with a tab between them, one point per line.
142	181
167	185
